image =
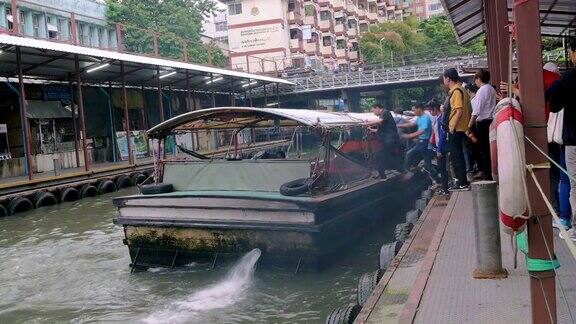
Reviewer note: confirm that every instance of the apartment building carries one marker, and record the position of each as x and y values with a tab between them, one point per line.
83	22
422	9
291	34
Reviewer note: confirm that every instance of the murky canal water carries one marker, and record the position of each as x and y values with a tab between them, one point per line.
67	263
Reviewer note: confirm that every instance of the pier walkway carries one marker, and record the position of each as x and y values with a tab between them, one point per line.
430	281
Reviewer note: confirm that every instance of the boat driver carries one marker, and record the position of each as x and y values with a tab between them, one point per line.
388	155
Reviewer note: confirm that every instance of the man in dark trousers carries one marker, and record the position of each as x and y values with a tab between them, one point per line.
388	156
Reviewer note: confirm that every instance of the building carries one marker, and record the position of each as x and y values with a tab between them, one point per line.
215	29
265	35
82	22
422	9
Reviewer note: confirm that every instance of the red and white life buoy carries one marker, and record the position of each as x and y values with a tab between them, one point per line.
511	167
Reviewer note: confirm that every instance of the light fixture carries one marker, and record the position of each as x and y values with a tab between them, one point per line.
99	67
272	104
167	75
215	80
249	84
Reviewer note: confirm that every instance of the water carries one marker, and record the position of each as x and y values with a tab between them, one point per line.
67	263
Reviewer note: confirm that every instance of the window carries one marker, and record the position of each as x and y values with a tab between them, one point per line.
313	38
355	47
53	27
340	44
291	6
339	21
309	11
36	25
9	18
22	21
221	26
327	41
363	28
325	15
294	34
372	8
434	6
82	34
234	8
352	23
298	63
419	9
100	38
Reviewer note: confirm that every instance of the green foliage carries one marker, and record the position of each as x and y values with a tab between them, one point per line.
399	38
173	20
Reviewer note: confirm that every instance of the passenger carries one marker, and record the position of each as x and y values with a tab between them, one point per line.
441	142
421	137
483	105
458	119
387	157
472	89
561	96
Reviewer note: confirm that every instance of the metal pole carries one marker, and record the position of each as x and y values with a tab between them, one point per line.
160	103
212	87
232	99
126	114
81	108
74	126
188	97
144	114
277	95
24	115
250	92
540	235
487	231
112	131
265	96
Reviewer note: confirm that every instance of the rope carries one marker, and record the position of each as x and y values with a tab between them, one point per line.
550	159
569	242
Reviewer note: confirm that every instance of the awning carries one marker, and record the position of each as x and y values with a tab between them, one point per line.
38	109
557	17
52	28
239	117
9	18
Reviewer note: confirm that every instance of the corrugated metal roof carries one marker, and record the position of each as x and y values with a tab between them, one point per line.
55	61
558	17
47	110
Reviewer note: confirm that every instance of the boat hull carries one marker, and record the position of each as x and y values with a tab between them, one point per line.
304	233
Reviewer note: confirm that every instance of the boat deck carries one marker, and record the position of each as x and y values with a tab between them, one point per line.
431	278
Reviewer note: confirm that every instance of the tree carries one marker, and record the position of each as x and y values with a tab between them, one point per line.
398	37
441	40
172	20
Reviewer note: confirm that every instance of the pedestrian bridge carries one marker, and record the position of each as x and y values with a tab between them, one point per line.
373	77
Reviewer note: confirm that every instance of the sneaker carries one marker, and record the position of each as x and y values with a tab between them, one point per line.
442	193
459	187
563	222
571	234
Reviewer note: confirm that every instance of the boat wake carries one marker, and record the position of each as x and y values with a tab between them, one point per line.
220	295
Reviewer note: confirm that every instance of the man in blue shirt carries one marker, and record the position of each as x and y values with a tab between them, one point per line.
421	137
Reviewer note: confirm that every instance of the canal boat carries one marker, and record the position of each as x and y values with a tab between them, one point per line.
300	206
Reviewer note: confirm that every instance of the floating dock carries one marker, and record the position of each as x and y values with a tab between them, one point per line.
430	279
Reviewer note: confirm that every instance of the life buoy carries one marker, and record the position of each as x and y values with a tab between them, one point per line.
509	124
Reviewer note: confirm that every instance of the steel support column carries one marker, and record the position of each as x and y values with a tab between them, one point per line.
73	105
126	114
265	96
497	40
232	95
277	95
540	235
212	87
81	108
24	115
144	114
188	97
160	103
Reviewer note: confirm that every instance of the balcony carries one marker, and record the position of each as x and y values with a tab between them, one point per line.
362	13
338	4
339	29
353	55
326	25
295	17
373	16
327	51
311	20
351	9
296	45
311	48
352	32
341	53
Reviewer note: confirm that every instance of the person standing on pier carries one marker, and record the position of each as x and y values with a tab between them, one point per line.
457	120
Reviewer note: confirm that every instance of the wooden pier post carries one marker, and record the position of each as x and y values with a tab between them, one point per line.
24	115
81	109
126	114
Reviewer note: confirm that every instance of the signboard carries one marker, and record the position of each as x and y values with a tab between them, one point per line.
56	93
256	38
4	145
138	144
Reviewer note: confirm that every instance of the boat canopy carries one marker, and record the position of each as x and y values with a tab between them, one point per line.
241	117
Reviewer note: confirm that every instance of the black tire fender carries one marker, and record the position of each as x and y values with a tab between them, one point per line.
366	285
3	211
296	187
106	186
43	199
344	315
88	190
412	216
420	205
137	179
19	205
154	189
123	182
387	253
69	194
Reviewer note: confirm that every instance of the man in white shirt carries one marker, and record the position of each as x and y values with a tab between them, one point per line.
483	106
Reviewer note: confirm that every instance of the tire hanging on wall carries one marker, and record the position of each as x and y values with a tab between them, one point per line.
420	205
123	182
3	211
344	315
154	189
43	199
19	205
412	216
106	186
366	285
387	253
138	179
69	194
88	191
